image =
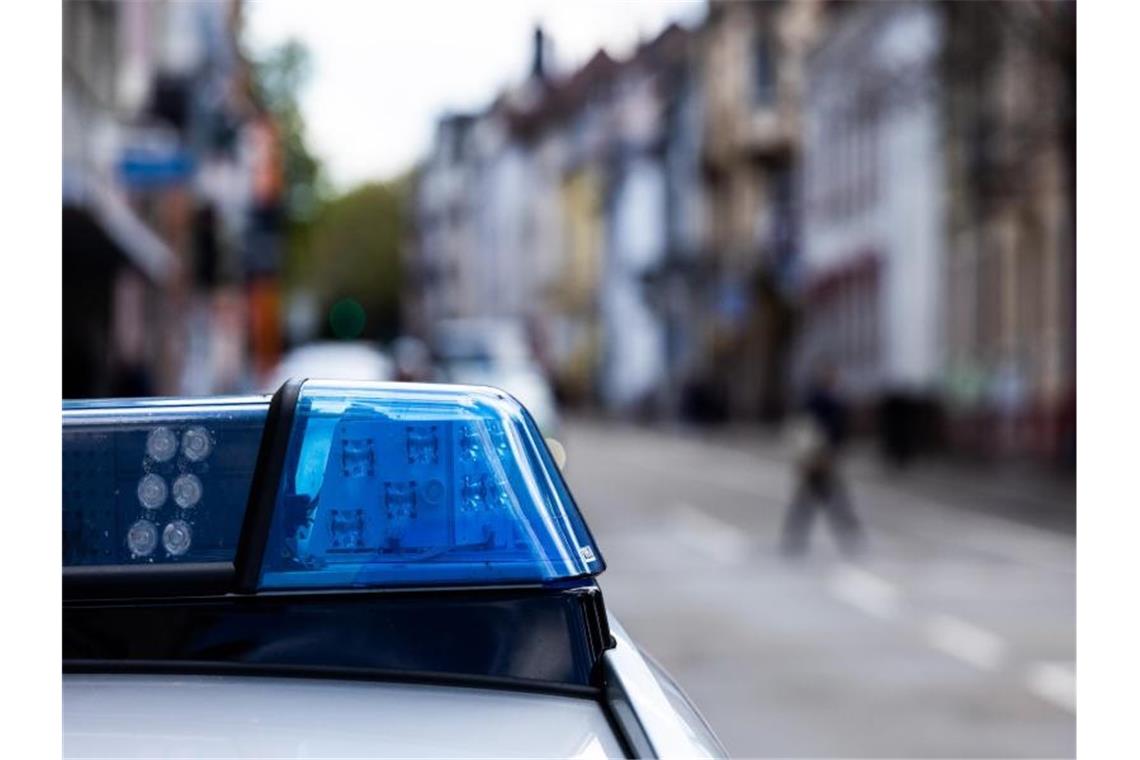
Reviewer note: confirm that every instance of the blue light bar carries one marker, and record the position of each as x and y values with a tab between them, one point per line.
157	481
381	485
398	484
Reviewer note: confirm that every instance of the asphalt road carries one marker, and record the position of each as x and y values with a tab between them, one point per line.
954	636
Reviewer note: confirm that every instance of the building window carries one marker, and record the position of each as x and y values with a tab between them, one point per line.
763	70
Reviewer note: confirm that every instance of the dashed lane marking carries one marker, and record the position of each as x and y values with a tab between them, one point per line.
709	535
971	644
965	641
1054	682
865	591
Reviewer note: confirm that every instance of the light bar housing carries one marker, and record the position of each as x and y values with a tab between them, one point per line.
331	486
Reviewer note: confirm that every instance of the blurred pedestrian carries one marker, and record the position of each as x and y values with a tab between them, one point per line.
818	438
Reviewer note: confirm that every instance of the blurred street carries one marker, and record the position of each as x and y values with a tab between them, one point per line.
953	636
670	233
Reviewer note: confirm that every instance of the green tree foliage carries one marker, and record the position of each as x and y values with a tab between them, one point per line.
354	253
279	79
342	248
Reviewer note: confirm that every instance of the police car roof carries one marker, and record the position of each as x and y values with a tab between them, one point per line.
242	716
348	568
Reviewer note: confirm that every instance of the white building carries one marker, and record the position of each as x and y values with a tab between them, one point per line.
634	344
873	242
552	208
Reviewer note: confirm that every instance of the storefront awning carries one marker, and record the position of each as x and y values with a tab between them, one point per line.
138	244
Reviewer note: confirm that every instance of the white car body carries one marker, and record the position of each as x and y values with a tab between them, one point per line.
643	713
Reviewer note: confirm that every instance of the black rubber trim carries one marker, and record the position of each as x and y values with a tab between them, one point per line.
624	718
628	747
462	632
130	581
221	668
578	586
598	627
263	489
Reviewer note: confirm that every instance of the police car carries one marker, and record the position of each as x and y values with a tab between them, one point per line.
341	569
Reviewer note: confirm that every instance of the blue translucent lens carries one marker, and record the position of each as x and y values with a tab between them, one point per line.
400	484
157	480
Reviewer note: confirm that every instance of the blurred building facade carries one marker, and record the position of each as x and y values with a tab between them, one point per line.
752	58
688	231
939	252
874	226
1010	279
569	204
170	196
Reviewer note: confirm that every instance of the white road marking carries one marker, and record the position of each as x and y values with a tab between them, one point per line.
866	591
712	537
965	641
1054	682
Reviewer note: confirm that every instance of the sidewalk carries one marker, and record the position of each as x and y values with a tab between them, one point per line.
1025	493
1032	495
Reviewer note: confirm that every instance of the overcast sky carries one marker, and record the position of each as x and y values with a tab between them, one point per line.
383	71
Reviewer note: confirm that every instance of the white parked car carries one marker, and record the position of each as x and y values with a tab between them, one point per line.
334	360
494	352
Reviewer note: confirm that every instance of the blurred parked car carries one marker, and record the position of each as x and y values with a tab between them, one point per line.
495	352
413	359
333	360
